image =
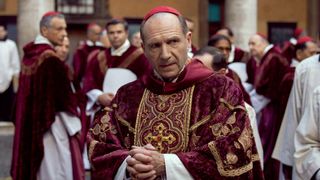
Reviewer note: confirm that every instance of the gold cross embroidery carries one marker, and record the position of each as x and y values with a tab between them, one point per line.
160	138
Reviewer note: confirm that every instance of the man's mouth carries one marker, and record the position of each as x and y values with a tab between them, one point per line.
166	65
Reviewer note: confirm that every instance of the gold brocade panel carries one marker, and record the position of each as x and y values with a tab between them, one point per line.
164	120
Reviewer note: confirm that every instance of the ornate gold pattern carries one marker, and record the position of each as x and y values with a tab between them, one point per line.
160	137
163	120
220	130
225	168
231	107
91	148
124	122
231	158
105	126
255	157
201	122
245	139
31	69
194	139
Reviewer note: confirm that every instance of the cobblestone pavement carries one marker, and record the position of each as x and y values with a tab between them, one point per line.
6	140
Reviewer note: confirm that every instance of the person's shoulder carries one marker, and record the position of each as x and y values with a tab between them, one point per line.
50	57
309	62
131	86
217	80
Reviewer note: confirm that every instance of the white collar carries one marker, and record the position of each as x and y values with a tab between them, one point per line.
91	43
294	62
123	48
232	53
42	40
267	49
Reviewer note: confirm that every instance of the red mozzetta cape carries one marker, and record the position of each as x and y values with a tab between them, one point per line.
44	89
133	59
80	58
200	118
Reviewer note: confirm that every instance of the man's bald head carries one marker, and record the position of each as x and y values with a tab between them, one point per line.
160	15
94	32
257	45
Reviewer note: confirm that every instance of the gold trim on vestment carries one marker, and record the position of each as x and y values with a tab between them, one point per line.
124	122
255	157
102	59
92	144
31	69
92	54
101	129
202	121
231	107
131	58
230	172
164	120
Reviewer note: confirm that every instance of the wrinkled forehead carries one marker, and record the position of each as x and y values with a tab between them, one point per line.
57	21
255	39
161	17
161	22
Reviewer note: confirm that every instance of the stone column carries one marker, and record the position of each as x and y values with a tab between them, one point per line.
241	17
203	23
29	15
313	25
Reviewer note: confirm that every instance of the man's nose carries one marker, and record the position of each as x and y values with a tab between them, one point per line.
165	52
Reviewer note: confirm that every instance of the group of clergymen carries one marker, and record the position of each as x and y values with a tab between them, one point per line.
214	113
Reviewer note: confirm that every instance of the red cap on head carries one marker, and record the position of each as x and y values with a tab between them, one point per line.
297	32
262	36
304	39
51	13
161	9
91	25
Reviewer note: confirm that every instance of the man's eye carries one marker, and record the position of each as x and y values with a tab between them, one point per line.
173	41
154	46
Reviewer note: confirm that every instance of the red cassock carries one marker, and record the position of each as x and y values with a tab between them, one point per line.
285	89
133	59
240	55
268	75
80	59
201	118
234	76
288	51
44	90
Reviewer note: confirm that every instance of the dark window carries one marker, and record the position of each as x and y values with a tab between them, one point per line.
280	31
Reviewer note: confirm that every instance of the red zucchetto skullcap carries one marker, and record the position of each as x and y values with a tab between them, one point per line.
262	36
51	13
91	25
161	9
304	39
297	32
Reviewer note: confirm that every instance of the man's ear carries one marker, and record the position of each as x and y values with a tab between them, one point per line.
142	46
299	54
189	38
222	71
44	31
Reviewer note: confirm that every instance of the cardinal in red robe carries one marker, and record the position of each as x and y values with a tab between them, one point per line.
185	120
45	91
